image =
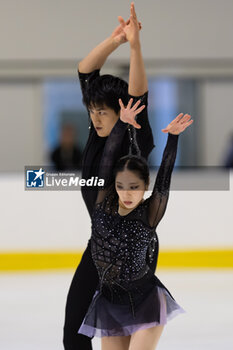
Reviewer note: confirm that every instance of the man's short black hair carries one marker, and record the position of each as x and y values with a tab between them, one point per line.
106	90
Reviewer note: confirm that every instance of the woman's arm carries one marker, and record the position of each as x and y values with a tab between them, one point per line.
111	148
159	198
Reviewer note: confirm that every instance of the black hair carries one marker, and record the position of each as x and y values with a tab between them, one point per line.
135	164
106	90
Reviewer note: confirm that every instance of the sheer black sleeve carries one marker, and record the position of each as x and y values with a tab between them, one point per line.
145	133
109	157
159	198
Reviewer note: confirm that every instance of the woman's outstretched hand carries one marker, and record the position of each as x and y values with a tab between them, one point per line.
128	113
179	124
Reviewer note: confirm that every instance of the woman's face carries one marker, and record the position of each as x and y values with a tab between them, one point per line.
103	119
130	188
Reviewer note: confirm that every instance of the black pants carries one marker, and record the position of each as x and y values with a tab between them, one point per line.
80	295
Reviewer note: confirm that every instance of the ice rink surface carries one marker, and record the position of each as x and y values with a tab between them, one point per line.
32	310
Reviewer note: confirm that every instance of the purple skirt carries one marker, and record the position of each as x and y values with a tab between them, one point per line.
105	318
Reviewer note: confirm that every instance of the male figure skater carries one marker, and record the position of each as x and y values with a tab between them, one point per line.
101	95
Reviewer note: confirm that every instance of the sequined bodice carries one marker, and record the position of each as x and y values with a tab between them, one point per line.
120	244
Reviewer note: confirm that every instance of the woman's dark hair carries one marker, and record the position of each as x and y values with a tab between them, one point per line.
106	90
134	164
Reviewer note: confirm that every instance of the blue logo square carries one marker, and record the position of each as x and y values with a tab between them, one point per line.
35	178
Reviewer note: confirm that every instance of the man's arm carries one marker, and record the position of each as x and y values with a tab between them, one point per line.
137	76
96	58
138	86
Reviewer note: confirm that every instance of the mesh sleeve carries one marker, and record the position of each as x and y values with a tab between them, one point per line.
145	133
109	157
159	198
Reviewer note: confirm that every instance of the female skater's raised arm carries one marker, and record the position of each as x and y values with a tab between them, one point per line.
159	198
111	148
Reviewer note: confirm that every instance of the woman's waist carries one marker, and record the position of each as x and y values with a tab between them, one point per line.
119	292
128	282
119	272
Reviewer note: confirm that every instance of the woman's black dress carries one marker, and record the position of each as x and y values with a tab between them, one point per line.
129	296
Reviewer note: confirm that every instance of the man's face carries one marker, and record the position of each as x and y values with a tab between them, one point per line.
103	119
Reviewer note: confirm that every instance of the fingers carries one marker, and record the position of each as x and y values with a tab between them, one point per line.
179	124
122	22
136	125
128	22
188	123
177	118
181	118
140	109
185	118
135	106
121	103
134	109
132	11
185	121
130	103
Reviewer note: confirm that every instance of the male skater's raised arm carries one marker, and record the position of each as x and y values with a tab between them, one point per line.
137	76
96	58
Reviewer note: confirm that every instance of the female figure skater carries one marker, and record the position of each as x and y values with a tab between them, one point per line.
130	306
100	95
